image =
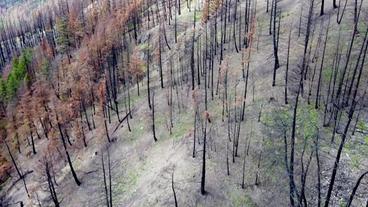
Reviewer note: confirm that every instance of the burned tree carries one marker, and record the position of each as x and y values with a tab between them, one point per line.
275	37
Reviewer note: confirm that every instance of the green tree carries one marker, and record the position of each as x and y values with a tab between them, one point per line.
11	86
2	90
17	75
63	39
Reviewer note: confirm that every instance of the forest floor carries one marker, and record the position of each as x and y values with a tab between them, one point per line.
142	169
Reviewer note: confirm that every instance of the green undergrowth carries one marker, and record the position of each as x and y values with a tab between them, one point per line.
143	46
125	184
183	123
356	150
137	124
187	16
134	98
138	129
239	199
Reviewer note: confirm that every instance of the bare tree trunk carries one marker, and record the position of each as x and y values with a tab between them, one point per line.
287	66
345	133
275	37
334	4
74	174
153	117
243	174
258	166
316	142
106	128
33	145
355	189
192	51
160	61
338	17
109	170
51	185
173	189
203	179
271	16
16	167
306	42
148	74
322	7
105	180
321	68
227	159
194	134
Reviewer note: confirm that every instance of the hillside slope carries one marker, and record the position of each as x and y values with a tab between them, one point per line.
234	109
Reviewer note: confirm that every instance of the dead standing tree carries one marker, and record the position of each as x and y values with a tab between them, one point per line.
294	197
148	56
153	117
206	119
107	179
19	172
347	126
246	61
275	37
48	173
287	65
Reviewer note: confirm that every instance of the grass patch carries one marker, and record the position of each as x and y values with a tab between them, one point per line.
362	126
241	200
356	150
187	16
355	161
138	129
186	125
182	125
125	185
134	98
143	46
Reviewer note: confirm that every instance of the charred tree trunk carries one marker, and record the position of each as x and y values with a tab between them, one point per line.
271	17
51	186
74	174
85	114
338	16
153	117
16	167
192	51
292	185
321	68
173	189
355	189
275	37
243	174
195	133
322	8
319	188
334	4
105	180
33	144
148	74
105	125
160	62
109	174
258	166
203	178
345	133
306	43
287	66
227	159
